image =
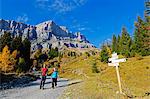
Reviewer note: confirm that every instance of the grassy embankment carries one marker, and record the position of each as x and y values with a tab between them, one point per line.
135	78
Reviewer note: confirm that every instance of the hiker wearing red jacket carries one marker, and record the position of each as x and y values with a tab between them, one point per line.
44	72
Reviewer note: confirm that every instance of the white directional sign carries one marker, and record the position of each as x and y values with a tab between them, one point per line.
119	60
114	61
113	58
113	64
114	54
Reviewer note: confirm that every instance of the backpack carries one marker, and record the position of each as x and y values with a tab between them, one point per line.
50	72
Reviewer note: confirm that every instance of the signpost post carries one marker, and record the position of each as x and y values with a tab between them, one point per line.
115	62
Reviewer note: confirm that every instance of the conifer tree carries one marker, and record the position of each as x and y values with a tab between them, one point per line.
142	37
16	44
5	39
26	51
114	44
147	10
125	43
118	44
104	54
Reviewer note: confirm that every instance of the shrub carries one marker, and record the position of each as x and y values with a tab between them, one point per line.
138	57
94	68
21	67
53	53
87	54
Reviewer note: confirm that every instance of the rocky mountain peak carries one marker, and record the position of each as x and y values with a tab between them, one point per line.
47	34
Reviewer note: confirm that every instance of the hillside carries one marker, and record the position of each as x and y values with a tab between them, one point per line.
135	78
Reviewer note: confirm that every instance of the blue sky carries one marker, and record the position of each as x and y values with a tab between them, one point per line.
98	20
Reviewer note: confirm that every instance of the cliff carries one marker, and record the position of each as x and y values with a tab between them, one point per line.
46	34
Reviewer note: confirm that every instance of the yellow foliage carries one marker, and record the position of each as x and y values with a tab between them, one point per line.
7	62
37	53
46	63
14	54
109	50
35	62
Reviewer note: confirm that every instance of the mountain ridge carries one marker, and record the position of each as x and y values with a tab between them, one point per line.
46	34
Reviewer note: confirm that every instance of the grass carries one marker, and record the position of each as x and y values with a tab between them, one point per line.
135	79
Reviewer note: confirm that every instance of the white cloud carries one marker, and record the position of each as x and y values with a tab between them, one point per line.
24	18
60	6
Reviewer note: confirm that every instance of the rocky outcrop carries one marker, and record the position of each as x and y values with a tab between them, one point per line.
46	34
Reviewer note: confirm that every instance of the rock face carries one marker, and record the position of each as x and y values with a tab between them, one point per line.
46	34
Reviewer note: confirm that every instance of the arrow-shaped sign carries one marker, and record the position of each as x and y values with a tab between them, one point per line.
114	54
119	60
113	64
113	58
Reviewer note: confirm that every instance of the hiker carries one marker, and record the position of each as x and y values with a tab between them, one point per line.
44	72
54	77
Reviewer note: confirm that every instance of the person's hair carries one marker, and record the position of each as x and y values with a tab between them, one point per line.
55	69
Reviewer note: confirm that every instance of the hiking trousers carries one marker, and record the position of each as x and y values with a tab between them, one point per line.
54	82
42	81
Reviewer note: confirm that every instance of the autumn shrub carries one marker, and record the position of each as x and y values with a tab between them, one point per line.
21	67
94	68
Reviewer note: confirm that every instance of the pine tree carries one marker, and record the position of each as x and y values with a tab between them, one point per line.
118	45
147	10
114	44
132	48
16	44
125	43
142	37
26	51
147	35
5	39
104	54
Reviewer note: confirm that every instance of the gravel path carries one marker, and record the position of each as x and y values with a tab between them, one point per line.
33	91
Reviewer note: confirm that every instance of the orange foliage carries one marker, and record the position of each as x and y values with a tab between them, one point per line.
14	54
7	61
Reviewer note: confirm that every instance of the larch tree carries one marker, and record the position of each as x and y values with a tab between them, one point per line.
6	63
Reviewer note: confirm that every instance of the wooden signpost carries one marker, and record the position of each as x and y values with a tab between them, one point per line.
114	61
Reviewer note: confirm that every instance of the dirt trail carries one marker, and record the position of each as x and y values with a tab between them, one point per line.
33	91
